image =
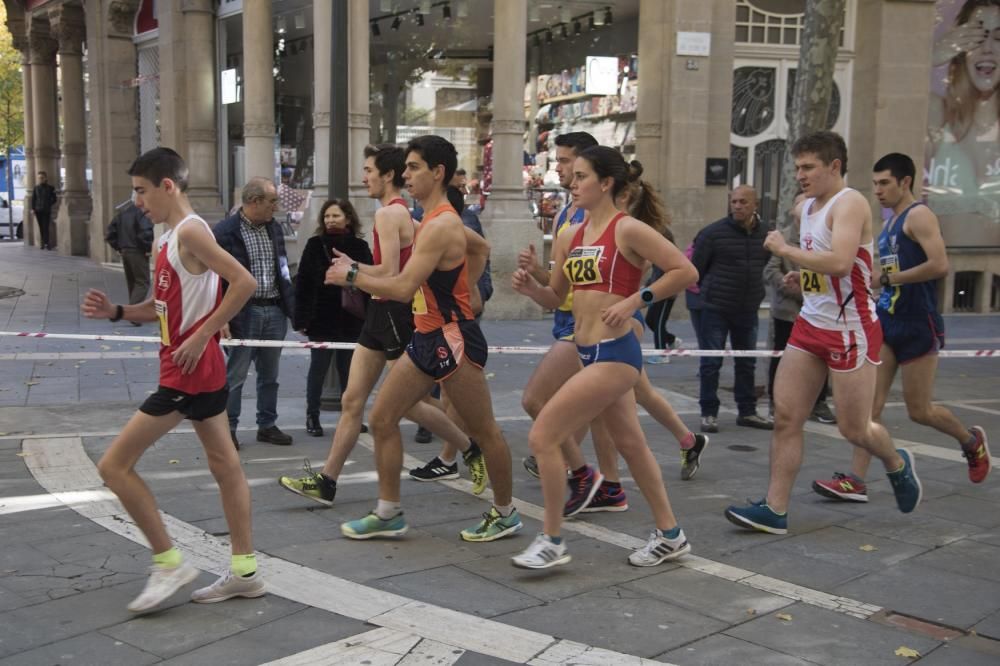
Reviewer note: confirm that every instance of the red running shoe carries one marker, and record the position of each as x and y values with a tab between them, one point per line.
842	487
978	456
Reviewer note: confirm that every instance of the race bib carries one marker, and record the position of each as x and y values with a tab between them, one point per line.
889	263
419	306
812	282
583	264
162	315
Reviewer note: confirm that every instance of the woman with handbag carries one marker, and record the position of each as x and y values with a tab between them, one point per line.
327	313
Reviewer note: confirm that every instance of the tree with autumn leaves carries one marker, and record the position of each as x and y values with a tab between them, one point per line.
11	92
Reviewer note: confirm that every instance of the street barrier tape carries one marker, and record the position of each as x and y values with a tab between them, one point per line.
498	349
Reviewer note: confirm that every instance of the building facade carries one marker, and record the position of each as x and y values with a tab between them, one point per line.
699	92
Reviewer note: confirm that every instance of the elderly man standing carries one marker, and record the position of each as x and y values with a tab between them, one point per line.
253	237
730	258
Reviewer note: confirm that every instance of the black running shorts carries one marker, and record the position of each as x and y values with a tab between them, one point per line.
195	406
388	328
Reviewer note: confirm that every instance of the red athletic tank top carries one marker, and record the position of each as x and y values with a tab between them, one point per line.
444	297
404	252
601	267
183	302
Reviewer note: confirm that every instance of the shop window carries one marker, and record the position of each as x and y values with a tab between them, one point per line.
995	294
964	296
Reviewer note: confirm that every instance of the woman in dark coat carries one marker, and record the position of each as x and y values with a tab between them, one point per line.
319	311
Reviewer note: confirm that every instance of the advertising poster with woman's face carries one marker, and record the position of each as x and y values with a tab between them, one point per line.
962	165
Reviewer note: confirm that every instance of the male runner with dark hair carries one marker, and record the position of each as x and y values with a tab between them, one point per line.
912	257
447	347
387	330
191	309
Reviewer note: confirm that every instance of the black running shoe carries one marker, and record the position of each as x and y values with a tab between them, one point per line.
435	470
423	436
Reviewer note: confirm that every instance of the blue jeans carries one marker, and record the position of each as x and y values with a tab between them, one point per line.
266	322
741	329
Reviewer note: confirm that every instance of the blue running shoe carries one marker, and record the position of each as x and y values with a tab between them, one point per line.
905	483
372	526
758	516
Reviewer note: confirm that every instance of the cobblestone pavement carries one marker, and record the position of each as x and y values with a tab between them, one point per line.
850	583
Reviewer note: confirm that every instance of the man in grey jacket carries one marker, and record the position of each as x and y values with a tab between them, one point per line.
786	300
130	234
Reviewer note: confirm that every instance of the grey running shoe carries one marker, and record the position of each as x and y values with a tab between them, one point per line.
229	586
822	413
162	584
754	421
531	465
691	458
709	424
542	554
660	549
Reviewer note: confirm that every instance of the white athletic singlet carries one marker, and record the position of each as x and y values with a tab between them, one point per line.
834	303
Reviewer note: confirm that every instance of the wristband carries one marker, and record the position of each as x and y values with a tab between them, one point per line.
119	313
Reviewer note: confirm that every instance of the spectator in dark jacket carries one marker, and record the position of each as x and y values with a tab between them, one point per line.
253	237
319	312
130	234
730	259
43	200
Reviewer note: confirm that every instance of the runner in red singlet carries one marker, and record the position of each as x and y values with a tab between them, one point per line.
386	332
188	302
448	346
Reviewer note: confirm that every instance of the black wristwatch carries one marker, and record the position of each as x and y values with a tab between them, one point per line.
884	281
647	296
352	273
119	313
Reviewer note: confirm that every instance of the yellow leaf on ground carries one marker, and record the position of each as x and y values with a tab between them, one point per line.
174	462
105	348
784	616
32	383
903	651
868	548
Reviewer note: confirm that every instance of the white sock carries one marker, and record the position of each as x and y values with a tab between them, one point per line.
386	510
445	461
505	509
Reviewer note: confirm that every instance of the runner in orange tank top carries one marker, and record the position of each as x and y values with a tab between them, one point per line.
448	346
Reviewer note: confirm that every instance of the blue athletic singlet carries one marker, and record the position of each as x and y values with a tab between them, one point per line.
898	252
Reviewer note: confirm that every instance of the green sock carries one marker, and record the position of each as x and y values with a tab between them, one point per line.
170	559
244	565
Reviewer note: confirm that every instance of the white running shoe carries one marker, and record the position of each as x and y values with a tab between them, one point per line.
659	549
162	584
542	554
229	586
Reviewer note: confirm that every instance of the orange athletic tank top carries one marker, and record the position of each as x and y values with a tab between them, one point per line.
444	297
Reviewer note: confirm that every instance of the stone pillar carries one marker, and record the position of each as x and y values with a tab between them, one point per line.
358	96
507	220
651	83
201	148
19	35
322	12
45	130
114	124
74	211
894	81
258	77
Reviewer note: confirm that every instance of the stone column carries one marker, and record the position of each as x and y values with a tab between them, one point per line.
114	123
74	211
507	220
652	81
45	130
200	134
358	96
322	12
258	77
19	35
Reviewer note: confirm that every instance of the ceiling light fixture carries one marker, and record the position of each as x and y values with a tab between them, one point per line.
396	23
376	32
598	17
548	36
420	20
577	28
608	19
462	8
446	10
565	14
